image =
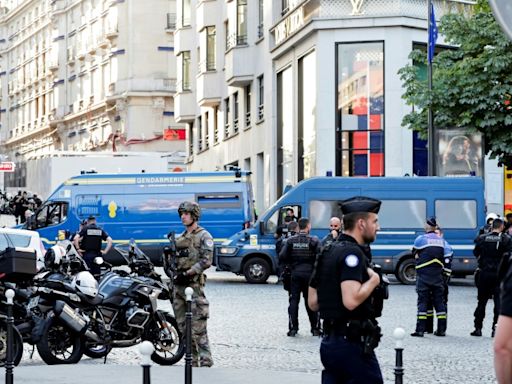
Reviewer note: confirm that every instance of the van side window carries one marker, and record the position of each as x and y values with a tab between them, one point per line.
395	214
220	200
321	212
282	216
456	213
51	214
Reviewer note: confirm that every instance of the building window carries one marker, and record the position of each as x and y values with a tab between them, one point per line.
185	71
285	134
241	22
210	48
285	6
248	106
185	13
191	139
206	131
199	133
307	117
360	109
260	18
227	118
215	126
261	97
235	113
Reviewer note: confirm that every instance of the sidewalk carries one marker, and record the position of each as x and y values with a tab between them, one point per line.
132	374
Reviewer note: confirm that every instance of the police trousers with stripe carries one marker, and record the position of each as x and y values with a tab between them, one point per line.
430	290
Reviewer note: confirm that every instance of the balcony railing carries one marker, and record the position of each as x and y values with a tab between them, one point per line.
171	21
235	126
260	30
234	40
226	130
248	119
261	111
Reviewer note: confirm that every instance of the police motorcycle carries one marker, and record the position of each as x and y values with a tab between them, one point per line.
122	310
34	300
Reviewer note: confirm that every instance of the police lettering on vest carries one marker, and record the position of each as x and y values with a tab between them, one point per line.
92	236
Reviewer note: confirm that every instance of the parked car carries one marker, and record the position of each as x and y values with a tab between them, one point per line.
21	238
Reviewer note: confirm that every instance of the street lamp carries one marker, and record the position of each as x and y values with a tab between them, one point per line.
502	10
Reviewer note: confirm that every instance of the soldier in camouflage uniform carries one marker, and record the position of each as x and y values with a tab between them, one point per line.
194	255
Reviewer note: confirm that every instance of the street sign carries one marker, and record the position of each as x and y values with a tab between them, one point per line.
502	10
7	166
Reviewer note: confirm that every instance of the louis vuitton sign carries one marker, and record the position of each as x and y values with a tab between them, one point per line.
288	26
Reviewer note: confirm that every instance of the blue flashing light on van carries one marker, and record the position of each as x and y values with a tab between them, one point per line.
145	206
457	203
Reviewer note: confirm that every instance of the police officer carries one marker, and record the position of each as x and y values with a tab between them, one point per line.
447	273
88	242
334	231
342	289
428	251
502	342
194	255
489	250
299	252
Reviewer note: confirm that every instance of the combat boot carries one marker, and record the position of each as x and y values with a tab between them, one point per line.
417	334
476	332
292	333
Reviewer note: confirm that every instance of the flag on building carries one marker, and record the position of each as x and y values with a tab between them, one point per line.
432	34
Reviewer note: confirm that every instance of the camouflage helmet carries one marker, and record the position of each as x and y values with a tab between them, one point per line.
190	207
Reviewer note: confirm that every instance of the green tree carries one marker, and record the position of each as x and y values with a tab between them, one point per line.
472	85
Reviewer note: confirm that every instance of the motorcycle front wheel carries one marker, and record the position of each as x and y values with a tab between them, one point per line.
167	339
59	344
17	344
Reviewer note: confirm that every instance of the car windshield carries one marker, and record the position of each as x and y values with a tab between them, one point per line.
18	240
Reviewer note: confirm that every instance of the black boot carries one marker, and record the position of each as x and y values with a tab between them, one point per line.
441	327
476	332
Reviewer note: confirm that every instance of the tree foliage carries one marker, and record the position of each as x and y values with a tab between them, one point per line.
472	85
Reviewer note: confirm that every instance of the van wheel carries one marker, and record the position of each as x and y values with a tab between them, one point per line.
256	270
406	271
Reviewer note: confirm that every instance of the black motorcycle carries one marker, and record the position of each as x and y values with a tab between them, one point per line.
124	312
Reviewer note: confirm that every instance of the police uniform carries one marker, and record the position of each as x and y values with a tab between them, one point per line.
489	249
92	237
195	252
447	273
299	253
346	332
506	289
429	249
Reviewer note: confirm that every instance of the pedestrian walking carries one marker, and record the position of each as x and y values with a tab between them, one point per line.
489	250
89	243
343	289
428	252
194	255
299	253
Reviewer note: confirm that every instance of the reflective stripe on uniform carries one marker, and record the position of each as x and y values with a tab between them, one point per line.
429	263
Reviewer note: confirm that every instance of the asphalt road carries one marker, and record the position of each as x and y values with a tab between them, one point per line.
248	325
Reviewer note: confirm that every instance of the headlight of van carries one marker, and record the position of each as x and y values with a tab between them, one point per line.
227	250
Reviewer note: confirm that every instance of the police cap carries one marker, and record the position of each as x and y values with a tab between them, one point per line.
432	221
360	204
91	217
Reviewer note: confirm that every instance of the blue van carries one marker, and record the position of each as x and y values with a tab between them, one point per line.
457	203
144	206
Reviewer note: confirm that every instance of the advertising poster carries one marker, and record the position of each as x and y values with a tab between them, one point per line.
459	153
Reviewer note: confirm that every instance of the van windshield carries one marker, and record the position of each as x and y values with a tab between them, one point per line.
51	214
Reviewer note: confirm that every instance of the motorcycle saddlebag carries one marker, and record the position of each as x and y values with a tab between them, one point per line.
18	263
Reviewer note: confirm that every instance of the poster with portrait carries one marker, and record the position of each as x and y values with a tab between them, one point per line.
459	153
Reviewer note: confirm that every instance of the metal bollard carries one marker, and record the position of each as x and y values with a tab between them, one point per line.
399	334
188	338
9	363
146	349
